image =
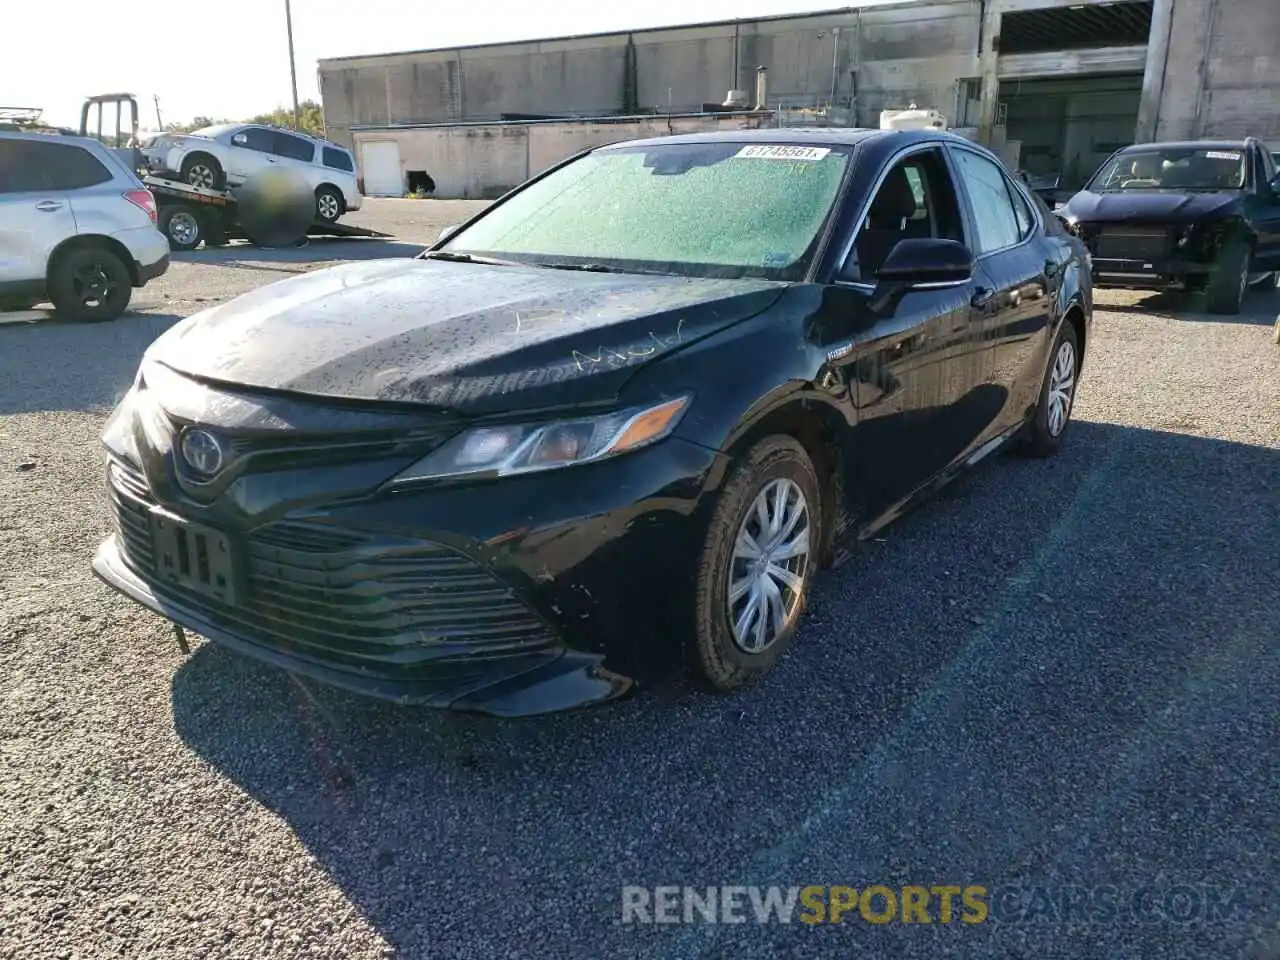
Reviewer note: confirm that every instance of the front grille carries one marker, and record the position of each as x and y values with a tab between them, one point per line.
1132	243
353	599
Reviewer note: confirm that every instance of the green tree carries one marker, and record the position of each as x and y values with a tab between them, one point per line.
310	113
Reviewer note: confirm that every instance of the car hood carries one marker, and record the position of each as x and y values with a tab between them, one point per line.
469	337
1133	206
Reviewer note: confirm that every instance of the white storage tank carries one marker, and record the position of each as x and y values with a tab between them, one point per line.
912	119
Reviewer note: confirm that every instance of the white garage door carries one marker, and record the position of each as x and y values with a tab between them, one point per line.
380	166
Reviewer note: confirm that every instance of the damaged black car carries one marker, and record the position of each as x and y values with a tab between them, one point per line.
1201	216
615	423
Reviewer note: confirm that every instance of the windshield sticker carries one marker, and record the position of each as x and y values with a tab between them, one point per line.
776	260
781	151
1221	155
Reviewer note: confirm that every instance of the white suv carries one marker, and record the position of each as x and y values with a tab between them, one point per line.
76	227
228	154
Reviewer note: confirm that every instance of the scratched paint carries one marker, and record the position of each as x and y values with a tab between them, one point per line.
468	336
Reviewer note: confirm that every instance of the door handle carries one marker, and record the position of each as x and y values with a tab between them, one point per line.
982	298
48	206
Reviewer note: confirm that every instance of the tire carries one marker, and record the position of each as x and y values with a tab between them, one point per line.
1057	396
330	204
89	283
719	660
1267	283
202	170
183	227
1230	279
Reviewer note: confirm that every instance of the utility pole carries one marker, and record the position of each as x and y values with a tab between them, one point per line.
159	122
293	70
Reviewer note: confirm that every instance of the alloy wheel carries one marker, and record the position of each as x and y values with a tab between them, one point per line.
769	566
200	175
93	284
328	206
1062	381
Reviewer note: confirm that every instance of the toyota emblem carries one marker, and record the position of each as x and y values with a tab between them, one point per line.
202	451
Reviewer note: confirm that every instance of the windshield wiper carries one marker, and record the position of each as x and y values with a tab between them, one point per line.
582	267
453	257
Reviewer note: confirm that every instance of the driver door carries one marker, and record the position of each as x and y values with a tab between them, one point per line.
1264	210
909	368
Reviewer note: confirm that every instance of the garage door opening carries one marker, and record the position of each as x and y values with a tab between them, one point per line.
1067	127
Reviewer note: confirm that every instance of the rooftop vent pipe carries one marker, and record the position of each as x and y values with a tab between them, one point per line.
762	87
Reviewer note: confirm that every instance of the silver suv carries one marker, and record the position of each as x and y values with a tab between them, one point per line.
76	227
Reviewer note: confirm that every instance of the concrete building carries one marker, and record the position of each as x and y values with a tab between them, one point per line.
1054	84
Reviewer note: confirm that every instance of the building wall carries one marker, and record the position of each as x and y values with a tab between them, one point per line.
1222	77
897	54
485	160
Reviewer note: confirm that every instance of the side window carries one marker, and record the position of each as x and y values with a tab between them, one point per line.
338	159
916	199
1021	210
70	168
19	170
993	211
295	148
257	139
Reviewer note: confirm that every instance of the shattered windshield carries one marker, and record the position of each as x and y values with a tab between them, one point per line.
699	209
1173	168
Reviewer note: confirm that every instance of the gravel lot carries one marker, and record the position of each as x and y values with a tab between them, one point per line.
1061	672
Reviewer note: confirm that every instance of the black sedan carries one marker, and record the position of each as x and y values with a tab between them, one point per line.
615	422
1203	216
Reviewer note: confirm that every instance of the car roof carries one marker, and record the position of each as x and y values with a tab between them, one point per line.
88	143
1189	145
817	136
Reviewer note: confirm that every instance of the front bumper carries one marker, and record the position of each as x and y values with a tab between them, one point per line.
529	595
1157	274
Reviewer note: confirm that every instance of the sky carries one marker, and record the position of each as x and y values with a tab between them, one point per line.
231	59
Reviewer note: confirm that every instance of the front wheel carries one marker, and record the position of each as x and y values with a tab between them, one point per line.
90	283
1230	279
1053	413
202	170
756	566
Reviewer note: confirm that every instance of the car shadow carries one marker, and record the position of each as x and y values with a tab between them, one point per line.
53	364
985	683
317	250
1260	308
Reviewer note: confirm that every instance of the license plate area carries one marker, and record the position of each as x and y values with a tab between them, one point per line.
193	556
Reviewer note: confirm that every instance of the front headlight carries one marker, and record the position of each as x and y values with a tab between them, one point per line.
500	451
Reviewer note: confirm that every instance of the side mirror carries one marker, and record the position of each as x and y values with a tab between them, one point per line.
920	264
448	232
240	139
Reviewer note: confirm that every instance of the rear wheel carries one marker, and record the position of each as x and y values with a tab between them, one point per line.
1057	396
202	170
182	226
89	283
1230	279
330	204
756	566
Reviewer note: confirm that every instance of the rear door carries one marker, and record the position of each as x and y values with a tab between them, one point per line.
297	153
35	215
1012	304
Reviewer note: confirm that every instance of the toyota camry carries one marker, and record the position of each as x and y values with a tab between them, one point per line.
613	424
